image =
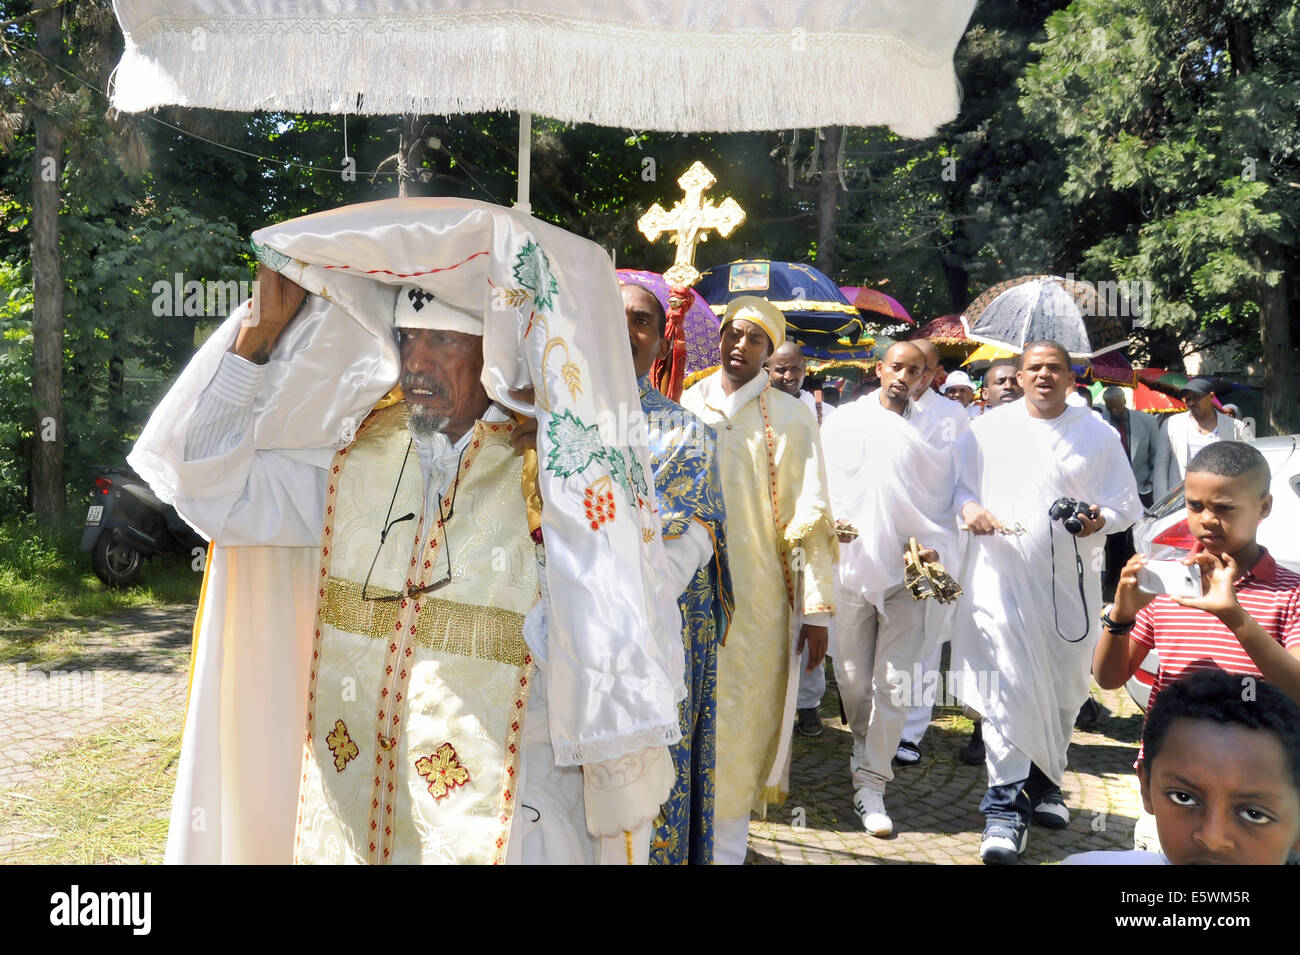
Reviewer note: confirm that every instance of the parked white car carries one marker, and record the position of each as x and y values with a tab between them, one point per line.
1163	534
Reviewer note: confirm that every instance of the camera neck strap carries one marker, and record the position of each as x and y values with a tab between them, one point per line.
1083	600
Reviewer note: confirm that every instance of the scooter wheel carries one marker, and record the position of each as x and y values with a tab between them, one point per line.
116	562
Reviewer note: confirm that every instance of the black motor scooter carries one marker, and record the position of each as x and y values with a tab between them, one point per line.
128	523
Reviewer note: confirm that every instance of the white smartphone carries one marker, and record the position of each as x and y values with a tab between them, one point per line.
1170	577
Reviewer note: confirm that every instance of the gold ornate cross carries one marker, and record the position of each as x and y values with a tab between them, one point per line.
688	222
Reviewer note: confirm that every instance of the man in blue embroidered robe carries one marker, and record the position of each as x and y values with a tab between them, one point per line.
683	454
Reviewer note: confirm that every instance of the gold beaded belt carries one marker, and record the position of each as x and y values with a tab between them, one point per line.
485	633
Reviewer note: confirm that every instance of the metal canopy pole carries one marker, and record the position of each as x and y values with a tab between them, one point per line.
525	162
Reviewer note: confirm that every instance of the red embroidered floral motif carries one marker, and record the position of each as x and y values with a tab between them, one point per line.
598	501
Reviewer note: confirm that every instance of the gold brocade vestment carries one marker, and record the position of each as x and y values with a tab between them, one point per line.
781	550
416	705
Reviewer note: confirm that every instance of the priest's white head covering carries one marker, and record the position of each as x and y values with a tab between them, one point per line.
417	308
753	308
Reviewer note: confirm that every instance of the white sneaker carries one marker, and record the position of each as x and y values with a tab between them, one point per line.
870	806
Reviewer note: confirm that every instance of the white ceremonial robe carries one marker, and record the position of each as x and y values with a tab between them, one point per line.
1009	661
948	419
892	484
941	424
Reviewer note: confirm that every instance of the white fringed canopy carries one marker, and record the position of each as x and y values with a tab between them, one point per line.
685	65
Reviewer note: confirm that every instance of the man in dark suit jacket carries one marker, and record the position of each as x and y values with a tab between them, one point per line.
1139	433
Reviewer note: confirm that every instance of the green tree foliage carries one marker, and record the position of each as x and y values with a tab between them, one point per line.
1179	129
1117	139
121	232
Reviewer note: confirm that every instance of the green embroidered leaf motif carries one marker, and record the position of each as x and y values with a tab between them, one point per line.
618	471
532	270
269	257
574	445
627	471
637	475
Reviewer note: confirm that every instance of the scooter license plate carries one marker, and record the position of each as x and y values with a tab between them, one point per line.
94	515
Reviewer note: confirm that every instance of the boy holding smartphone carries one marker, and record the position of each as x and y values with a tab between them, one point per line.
1247	619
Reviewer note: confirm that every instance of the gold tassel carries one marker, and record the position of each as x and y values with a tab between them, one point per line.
528	481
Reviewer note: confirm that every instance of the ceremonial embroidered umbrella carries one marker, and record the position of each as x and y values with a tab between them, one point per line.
1112	367
701	325
987	354
947	334
722	66
1148	399
1142	399
815	311
1036	307
1169	382
944	330
844	360
876	306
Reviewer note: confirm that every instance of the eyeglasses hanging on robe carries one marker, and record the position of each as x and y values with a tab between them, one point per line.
443	519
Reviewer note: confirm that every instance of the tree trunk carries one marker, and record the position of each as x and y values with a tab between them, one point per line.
957	277
1281	413
48	495
1281	416
827	201
412	144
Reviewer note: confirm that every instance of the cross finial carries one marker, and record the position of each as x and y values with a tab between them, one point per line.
688	221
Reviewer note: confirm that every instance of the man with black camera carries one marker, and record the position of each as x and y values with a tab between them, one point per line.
1035	483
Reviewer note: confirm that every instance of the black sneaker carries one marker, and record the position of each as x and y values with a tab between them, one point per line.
808	721
1003	842
1050	811
972	754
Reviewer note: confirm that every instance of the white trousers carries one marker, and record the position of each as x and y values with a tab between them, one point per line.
875	652
812	686
917	718
730	841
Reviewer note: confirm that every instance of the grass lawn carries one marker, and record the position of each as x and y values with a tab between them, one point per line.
104	797
48	592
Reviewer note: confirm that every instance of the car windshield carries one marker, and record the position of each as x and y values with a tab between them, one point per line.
1173	501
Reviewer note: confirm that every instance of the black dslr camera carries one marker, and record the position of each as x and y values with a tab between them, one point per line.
1068	511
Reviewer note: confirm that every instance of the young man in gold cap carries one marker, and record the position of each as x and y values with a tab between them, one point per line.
774	489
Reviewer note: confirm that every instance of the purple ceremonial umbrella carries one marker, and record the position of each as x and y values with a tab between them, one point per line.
701	326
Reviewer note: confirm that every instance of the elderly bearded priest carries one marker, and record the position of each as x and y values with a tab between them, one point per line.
431	708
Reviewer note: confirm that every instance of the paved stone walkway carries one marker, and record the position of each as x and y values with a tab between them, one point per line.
138	665
935	803
135	665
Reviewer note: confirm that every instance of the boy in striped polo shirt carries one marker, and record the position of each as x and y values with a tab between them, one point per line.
1247	619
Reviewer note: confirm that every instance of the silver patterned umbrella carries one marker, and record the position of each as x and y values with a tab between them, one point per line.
1036	307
